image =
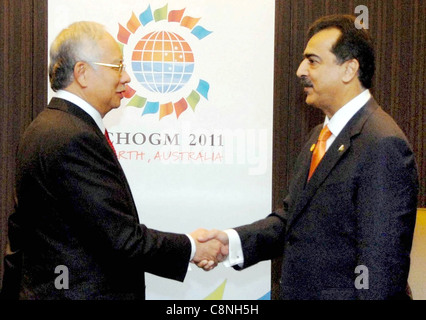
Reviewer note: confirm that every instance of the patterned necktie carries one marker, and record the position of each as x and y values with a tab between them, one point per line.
109	141
319	150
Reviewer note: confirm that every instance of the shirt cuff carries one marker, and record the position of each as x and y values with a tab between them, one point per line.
235	256
193	247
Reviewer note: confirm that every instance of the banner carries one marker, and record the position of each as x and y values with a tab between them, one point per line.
194	132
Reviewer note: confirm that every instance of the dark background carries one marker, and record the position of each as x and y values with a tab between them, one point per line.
397	26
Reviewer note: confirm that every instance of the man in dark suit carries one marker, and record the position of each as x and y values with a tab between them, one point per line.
347	225
75	233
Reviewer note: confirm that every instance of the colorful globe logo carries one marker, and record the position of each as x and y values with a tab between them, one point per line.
162	62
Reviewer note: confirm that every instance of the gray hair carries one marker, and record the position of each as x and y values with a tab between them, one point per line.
76	43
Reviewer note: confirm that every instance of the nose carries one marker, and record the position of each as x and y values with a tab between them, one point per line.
302	70
125	78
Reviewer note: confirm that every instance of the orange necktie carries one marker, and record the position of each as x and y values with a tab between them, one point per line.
109	141
319	150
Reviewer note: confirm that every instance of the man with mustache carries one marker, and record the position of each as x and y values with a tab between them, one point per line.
305	82
74	207
346	228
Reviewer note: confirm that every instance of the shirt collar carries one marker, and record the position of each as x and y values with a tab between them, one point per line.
345	113
84	105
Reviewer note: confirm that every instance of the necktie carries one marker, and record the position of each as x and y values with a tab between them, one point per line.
319	150
109	141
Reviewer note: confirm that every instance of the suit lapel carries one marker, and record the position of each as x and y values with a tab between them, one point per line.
69	107
307	190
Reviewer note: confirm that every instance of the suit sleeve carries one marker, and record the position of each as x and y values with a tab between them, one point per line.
386	211
98	200
263	239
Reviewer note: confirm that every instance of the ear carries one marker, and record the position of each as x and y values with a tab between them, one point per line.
351	70
81	73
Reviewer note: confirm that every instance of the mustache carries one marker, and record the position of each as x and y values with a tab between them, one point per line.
305	82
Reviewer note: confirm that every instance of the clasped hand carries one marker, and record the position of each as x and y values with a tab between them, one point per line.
212	247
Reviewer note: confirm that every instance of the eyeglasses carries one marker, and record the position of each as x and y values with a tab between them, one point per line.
119	67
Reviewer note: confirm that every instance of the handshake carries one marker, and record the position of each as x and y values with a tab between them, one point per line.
212	247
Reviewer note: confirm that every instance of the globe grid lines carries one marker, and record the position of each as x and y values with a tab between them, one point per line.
162	62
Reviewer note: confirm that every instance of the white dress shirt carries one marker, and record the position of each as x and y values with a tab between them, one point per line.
344	114
336	125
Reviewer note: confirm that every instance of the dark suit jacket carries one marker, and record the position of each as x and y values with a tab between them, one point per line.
75	208
358	209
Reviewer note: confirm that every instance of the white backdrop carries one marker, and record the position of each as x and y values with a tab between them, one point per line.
209	164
